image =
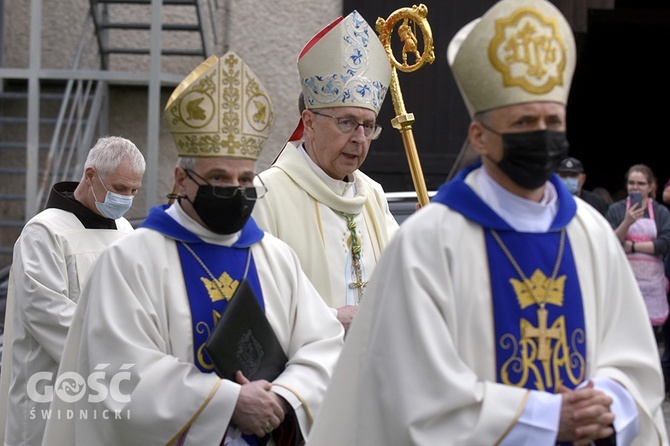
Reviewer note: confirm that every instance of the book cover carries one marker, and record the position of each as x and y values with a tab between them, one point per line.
244	340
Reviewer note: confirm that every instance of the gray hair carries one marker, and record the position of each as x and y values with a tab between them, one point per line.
186	162
301	103
108	153
483	116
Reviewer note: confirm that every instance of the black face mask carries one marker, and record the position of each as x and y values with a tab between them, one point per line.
225	210
529	158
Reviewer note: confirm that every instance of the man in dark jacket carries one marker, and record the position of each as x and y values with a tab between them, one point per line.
571	171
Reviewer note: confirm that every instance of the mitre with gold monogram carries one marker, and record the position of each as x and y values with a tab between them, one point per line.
221	109
519	51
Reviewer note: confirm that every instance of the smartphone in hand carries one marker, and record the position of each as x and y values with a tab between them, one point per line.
636	197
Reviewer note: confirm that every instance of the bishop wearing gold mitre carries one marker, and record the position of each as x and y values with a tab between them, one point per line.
156	297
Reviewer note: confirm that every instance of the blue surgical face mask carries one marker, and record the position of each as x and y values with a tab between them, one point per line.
115	205
572	183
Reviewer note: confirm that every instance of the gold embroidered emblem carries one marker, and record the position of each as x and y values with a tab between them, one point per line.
541	285
528	51
223	288
259	116
194	110
258	107
535	343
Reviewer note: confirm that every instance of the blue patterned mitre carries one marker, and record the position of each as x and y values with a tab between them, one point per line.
345	65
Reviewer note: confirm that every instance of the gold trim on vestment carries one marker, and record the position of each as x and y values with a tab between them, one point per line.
302	401
517	417
196	414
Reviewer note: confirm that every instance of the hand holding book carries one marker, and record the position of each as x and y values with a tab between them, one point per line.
244	340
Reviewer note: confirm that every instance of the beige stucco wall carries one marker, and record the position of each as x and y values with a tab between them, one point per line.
268	34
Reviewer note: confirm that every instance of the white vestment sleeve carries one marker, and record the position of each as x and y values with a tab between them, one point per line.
538	423
623	406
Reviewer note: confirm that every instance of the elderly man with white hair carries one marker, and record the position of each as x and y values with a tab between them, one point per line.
52	259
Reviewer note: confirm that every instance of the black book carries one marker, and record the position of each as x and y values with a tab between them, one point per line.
244	340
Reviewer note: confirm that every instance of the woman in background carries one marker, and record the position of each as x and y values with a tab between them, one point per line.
644	232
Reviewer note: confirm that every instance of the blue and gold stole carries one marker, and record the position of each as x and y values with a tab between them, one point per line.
534	349
539	347
208	298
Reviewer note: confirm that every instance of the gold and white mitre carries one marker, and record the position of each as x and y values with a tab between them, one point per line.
518	51
345	65
220	109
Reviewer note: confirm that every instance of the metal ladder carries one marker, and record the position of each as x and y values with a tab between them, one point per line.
72	126
106	24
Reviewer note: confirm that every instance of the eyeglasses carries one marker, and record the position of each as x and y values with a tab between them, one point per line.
348	125
251	193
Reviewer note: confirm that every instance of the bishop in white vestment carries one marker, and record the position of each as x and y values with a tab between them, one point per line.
334	216
439	352
135	332
505	311
135	370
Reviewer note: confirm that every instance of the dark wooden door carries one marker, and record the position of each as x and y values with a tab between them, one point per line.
430	93
614	117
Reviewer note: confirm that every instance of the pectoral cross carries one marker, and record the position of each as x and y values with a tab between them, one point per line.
359	284
355	247
543	334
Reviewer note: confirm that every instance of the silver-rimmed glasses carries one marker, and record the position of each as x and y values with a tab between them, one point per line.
348	125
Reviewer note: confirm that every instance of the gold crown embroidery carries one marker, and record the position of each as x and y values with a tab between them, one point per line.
223	290
541	285
535	343
528	51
